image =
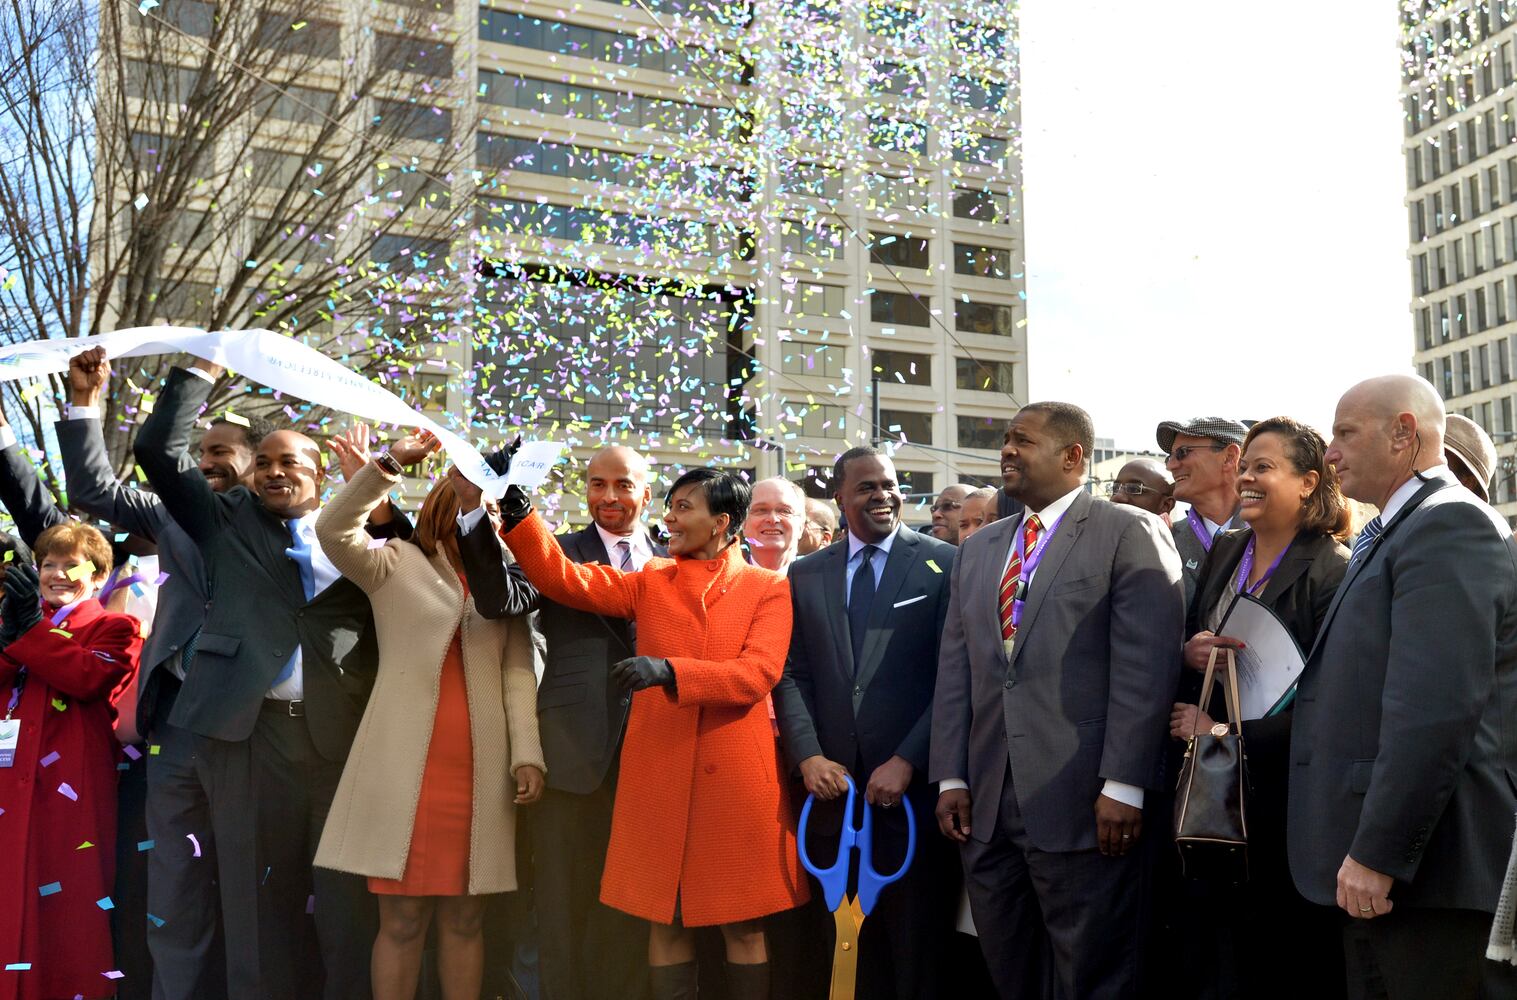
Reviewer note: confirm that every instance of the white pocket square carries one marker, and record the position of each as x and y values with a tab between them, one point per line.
902	604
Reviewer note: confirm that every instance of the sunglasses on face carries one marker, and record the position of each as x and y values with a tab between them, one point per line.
1183	452
946	505
1131	489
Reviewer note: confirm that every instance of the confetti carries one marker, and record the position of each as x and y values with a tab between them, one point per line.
84	845
18	966
157	920
105	903
934	567
67	791
58	703
195	843
145	845
50	889
132	752
50	759
140	202
114	974
81	571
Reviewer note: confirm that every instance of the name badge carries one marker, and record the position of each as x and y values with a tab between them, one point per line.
10	735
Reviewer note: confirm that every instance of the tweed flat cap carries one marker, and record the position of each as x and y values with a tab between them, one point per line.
1217	428
1473	447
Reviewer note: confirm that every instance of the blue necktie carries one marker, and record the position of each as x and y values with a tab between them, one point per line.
860	596
300	552
1367	536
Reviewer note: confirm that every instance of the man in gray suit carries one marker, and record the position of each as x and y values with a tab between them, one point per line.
1404	744
1058	659
182	888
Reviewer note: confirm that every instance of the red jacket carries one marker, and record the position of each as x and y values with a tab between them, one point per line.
58	827
701	810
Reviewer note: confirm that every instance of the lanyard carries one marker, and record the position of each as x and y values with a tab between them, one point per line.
1030	562
16	690
1247	566
1205	537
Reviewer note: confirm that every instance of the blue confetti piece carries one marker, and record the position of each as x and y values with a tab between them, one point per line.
50	889
157	920
105	903
145	845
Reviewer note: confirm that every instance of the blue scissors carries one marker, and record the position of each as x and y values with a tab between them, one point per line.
849	914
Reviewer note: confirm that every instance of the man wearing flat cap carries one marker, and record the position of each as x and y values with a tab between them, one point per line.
1203	459
1470	454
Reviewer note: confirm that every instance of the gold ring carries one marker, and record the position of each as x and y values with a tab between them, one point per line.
1366	909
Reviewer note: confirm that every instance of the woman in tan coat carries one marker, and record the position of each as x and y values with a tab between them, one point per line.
425	807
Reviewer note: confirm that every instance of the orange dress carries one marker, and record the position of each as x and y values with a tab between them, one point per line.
438	861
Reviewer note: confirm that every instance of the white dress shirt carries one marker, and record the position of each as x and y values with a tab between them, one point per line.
1130	795
642	551
1408	489
876	563
323	574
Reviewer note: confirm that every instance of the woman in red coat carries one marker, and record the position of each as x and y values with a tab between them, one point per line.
63	655
702	832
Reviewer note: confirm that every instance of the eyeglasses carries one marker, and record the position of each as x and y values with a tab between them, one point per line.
1131	489
946	505
1181	453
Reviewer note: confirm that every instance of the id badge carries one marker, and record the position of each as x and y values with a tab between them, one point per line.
10	735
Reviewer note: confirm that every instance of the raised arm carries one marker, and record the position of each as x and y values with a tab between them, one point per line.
590	587
30	505
499	590
747	678
162	450
340	529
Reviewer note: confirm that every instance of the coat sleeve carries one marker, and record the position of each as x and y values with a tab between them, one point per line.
795	695
28	501
340	530
519	683
914	747
952	710
593	587
1147	619
1438	680
162	449
92	483
89	671
499	586
749	677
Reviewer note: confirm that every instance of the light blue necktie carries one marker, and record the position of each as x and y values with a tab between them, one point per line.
300	552
1367	536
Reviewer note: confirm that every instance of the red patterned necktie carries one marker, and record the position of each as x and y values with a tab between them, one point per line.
1030	531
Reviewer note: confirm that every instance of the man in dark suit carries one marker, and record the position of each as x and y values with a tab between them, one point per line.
586	949
1404	746
856	698
182	889
1058	660
273	692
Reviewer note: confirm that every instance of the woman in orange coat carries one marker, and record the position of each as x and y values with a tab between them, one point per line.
702	832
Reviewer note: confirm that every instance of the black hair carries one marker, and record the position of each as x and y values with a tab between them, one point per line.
724	493
840	467
1068	423
254	429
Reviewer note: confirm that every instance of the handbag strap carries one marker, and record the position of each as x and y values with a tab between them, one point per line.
1235	711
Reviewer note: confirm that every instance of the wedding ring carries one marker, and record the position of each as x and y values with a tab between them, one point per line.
1366	909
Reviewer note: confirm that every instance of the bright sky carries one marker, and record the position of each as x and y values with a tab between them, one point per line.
1213	207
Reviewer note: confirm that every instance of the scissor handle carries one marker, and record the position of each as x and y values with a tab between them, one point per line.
834	880
871	882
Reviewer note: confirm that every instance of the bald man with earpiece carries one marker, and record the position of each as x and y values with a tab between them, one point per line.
1403	782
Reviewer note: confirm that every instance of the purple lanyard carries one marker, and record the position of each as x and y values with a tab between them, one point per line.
16	690
1204	536
1029	564
116	582
1247	566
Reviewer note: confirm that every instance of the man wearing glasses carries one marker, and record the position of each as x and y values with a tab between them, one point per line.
1144	483
1203	460
945	512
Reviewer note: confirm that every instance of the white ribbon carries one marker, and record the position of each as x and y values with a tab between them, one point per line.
272	359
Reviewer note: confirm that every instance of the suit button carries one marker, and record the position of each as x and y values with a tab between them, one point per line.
174	648
626	701
858	690
300	614
1010	684
710	768
276	652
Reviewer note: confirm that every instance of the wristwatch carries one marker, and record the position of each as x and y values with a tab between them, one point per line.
387	462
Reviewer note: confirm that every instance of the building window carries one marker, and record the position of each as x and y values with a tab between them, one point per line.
899	250
985	376
887	192
990	318
811	180
897	135
980	95
983	206
900	308
984	150
902	367
981	262
895	79
804	357
915	484
981	432
908	425
806	298
414	121
815	239
407	54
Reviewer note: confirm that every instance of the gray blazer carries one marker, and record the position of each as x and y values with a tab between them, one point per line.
1193	553
183	598
1404	745
1086	698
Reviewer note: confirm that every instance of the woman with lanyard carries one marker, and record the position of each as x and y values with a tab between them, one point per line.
1289	556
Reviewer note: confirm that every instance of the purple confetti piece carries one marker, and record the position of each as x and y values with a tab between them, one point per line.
114	974
311	904
67	791
50	759
132	752
195	842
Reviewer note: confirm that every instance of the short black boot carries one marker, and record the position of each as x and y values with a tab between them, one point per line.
677	982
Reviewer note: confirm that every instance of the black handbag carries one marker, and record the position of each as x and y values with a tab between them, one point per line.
1211	815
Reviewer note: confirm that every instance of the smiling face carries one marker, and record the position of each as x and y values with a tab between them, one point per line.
870	498
775	519
226	458
693	530
1200	466
1272	492
616	488
288	473
57	588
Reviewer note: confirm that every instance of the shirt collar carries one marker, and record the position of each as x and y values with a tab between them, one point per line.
855	546
307	523
1048	515
1409	489
637	541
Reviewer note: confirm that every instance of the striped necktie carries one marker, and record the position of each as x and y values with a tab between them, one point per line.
1011	577
624	562
1367	536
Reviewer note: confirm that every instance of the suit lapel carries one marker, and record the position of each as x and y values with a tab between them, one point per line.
275	539
1059	547
985	584
904	554
1359	565
834	578
1295	564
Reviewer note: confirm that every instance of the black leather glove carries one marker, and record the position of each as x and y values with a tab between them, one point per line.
515	507
20	609
500	461
638	672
